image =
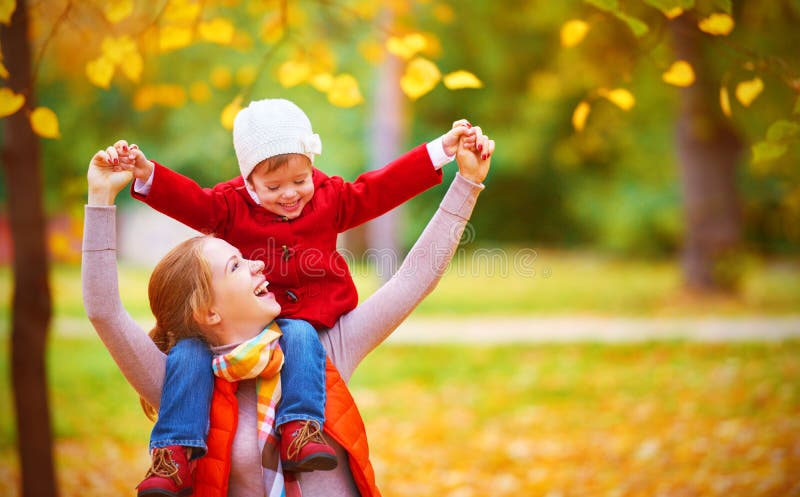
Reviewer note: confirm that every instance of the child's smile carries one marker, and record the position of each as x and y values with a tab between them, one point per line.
287	189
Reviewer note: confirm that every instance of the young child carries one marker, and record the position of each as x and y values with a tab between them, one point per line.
287	214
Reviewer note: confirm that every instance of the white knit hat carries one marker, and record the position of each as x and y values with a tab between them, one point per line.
271	127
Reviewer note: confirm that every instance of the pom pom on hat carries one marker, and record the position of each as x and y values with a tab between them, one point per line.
271	127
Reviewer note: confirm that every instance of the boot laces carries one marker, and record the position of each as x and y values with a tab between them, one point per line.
164	466
310	432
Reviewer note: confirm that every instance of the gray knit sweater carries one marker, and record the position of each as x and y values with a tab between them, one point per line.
347	343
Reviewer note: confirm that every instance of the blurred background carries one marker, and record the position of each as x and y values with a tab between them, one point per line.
621	314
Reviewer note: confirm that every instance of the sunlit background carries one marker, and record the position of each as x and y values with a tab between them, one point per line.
621	315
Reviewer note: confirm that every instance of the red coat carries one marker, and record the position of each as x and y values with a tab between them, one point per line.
309	278
343	423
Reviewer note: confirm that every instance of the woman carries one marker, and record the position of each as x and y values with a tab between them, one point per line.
230	307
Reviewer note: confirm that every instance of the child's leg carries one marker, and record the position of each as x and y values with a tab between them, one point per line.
185	398
302	374
301	412
182	426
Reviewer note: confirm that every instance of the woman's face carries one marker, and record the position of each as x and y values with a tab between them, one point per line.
241	299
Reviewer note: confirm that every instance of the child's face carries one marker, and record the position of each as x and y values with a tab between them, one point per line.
285	190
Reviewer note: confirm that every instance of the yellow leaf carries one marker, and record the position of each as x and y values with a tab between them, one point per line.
44	122
10	102
747	91
443	13
573	32
372	51
717	24
725	101
7	8
100	71
166	95
229	113
344	91
367	9
144	98
320	56
3	71
620	97
421	76
415	42
118	49
407	46
673	12
218	30
272	29
117	10
169	95
293	72
246	75
182	10
174	37
322	81
221	77
132	66
579	115
462	79
200	92
396	46
680	74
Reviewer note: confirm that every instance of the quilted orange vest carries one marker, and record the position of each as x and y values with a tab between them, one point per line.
343	423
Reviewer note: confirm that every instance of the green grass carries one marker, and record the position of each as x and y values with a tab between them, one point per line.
637	417
553	283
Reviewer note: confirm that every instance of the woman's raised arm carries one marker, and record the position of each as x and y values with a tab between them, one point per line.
136	355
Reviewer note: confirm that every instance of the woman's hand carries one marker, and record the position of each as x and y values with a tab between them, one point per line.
475	156
106	177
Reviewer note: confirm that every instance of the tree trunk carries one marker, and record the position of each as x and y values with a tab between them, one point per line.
31	306
386	143
708	153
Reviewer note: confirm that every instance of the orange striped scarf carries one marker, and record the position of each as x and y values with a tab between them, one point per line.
261	358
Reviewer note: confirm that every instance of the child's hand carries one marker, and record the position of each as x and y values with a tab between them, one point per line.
461	129
132	159
474	155
105	177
